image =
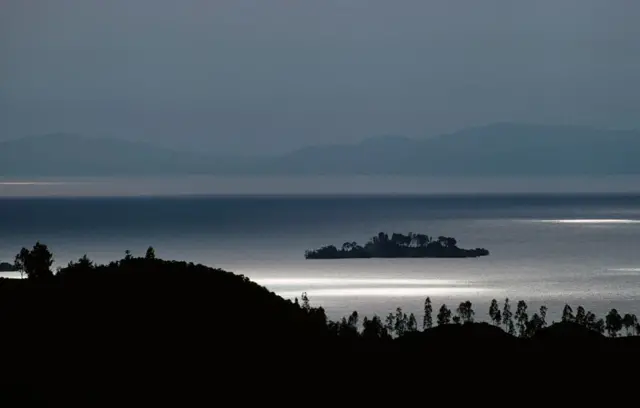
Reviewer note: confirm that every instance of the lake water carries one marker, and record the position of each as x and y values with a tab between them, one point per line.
552	249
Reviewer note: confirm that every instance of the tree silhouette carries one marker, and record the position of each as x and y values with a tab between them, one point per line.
567	314
348	328
613	323
494	313
590	321
581	316
537	322
421	240
401	322
629	321
465	312
305	301
444	315
20	260
35	263
352	322
427	321
522	318
85	262
507	317
150	254
412	323
543	315
374	329
390	323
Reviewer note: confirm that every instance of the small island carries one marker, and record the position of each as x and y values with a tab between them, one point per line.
7	267
398	246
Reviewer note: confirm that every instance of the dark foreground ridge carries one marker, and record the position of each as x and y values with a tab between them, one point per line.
147	318
398	246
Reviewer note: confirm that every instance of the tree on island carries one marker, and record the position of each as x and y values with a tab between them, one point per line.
7	267
397	245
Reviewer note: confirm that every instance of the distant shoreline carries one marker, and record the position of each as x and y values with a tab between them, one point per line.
211	185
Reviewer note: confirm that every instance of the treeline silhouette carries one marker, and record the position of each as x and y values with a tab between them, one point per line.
144	317
145	297
397	246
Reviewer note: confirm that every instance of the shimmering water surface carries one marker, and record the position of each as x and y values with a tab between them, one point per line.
581	249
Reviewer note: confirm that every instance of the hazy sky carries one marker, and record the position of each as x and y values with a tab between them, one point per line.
271	75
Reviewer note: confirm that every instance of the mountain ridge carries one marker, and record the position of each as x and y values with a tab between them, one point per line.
501	148
495	149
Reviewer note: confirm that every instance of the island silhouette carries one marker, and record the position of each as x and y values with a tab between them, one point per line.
398	246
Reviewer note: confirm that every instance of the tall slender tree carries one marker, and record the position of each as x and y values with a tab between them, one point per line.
494	312
507	317
427	321
522	318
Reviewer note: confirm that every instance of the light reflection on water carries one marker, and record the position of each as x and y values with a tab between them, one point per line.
578	251
590	221
386	291
298	281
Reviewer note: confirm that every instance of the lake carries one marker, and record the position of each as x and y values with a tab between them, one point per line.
545	248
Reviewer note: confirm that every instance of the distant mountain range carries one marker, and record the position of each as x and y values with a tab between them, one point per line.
497	149
62	154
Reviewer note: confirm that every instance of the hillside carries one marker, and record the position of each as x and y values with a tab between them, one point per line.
152	320
498	149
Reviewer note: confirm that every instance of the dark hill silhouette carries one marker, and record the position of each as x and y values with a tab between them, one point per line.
150	301
569	331
144	319
476	337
